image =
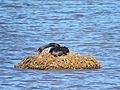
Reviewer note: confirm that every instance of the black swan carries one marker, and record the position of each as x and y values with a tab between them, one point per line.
56	49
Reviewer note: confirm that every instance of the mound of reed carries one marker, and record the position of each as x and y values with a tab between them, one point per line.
70	61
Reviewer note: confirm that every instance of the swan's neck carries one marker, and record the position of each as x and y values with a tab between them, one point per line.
50	45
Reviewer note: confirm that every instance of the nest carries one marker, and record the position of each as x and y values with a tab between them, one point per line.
49	62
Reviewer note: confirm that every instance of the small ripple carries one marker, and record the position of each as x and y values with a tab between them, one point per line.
29	48
12	23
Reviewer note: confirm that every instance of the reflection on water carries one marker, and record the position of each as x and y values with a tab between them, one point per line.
86	27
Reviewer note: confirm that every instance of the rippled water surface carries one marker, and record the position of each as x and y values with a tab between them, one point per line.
87	27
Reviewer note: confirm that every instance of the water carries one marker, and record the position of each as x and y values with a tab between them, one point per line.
87	27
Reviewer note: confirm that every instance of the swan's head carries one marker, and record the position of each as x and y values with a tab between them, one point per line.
39	51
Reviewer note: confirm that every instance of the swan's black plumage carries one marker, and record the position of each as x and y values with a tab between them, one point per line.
59	51
56	49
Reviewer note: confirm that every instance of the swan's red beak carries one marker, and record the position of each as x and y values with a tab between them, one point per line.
39	53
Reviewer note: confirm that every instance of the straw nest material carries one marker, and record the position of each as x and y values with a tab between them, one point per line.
49	62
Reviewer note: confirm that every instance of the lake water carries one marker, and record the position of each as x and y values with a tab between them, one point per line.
87	27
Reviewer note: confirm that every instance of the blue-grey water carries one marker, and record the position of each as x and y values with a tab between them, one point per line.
87	27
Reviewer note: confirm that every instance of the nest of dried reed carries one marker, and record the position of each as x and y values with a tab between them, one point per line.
49	62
